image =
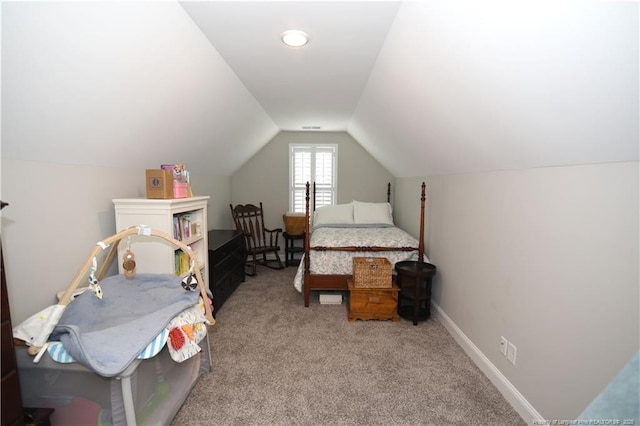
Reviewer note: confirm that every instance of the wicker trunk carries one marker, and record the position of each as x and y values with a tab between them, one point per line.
373	303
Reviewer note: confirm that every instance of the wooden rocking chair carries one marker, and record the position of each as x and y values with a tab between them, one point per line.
249	219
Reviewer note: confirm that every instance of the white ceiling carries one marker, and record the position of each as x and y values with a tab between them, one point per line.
319	84
473	86
426	87
440	86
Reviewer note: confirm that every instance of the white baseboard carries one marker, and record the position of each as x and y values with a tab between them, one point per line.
511	394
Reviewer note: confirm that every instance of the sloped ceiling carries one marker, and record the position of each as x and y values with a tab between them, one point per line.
318	85
427	87
477	86
124	85
437	87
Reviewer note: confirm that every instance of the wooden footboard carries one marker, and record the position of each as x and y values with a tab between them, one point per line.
323	282
339	282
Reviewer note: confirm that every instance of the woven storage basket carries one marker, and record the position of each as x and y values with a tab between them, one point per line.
294	223
371	272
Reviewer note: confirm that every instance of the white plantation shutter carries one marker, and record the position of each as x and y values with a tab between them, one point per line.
312	163
301	161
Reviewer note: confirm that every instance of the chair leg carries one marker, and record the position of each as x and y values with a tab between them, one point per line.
269	262
280	265
252	265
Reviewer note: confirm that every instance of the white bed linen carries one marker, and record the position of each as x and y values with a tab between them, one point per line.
341	263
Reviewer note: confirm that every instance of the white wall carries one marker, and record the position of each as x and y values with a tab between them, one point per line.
547	258
57	213
219	189
265	177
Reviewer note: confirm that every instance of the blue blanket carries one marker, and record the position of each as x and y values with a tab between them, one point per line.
107	334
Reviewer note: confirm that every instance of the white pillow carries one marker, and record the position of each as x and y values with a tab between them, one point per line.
372	213
335	214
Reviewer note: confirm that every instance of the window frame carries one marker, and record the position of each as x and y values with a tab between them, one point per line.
313	149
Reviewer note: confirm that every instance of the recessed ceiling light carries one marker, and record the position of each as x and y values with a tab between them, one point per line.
294	38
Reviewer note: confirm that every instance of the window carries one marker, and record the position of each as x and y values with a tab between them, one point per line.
312	163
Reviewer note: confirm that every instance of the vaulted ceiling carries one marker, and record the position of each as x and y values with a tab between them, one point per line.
318	85
426	87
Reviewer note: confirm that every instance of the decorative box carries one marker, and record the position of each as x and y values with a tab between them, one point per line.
159	183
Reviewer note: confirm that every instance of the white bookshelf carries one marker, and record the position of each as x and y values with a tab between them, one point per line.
154	255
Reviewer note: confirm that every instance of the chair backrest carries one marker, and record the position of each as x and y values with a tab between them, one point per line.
249	219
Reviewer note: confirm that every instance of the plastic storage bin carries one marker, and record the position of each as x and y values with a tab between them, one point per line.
149	392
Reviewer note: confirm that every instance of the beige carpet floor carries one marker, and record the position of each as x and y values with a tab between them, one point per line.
276	362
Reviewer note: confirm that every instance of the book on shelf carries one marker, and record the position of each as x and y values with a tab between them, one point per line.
185	227
182	262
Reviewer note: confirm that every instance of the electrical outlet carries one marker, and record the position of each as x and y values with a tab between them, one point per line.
503	345
511	353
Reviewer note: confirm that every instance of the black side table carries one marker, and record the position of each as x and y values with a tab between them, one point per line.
414	280
291	249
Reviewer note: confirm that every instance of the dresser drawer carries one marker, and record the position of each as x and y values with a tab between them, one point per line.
222	254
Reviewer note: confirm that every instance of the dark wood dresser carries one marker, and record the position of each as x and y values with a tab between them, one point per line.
227	257
11	399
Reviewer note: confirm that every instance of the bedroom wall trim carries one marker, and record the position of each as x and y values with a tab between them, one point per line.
506	388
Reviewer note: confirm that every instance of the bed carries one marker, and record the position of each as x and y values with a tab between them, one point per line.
125	349
335	234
